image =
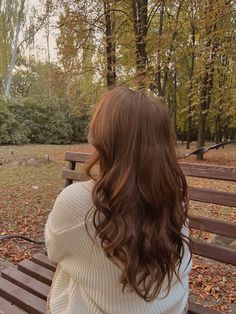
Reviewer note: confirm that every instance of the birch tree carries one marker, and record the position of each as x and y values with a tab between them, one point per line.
20	21
8	20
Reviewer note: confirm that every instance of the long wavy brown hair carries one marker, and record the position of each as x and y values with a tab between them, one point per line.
140	195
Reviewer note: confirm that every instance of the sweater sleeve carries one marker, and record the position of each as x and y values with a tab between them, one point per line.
64	221
55	253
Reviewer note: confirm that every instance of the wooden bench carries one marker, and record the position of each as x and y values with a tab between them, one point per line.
24	288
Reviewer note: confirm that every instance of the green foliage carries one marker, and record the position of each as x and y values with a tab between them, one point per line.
48	121
8	21
36	121
12	131
80	106
79	126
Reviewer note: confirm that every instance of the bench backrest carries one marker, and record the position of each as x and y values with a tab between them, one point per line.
204	195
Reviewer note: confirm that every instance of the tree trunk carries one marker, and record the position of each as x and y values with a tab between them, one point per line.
189	131
47	29
218	135
140	20
190	97
110	44
183	133
205	98
223	77
14	52
207	81
158	72
172	99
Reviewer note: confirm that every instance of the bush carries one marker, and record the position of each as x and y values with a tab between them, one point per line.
80	128
12	131
41	121
48	121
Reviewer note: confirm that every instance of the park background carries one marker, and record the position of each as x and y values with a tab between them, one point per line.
58	57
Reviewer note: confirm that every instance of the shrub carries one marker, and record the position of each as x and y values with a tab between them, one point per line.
80	128
12	131
48	121
41	121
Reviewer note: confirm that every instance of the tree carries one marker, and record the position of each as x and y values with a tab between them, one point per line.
213	14
192	22
15	48
109	16
8	21
140	25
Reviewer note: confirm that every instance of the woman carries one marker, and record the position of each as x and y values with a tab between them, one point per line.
121	239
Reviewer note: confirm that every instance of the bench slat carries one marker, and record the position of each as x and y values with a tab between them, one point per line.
209	172
193	170
212	225
36	271
26	282
199	309
212	197
7	307
42	260
213	251
73	175
195	194
21	298
77	157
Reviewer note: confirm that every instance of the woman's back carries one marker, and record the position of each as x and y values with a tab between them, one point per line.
87	281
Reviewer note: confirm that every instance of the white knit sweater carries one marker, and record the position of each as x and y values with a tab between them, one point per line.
86	281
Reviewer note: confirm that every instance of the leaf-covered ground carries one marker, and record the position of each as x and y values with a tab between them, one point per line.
28	193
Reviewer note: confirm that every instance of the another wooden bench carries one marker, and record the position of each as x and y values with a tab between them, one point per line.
24	289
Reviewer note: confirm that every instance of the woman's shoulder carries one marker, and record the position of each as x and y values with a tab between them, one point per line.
76	189
71	206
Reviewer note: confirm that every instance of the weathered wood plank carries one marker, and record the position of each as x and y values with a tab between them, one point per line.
194	170
212	196
213	251
7	307
73	175
209	171
42	260
212	225
21	298
36	271
195	194
26	282
77	157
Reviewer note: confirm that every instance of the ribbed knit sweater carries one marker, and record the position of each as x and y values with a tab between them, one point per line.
86	281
